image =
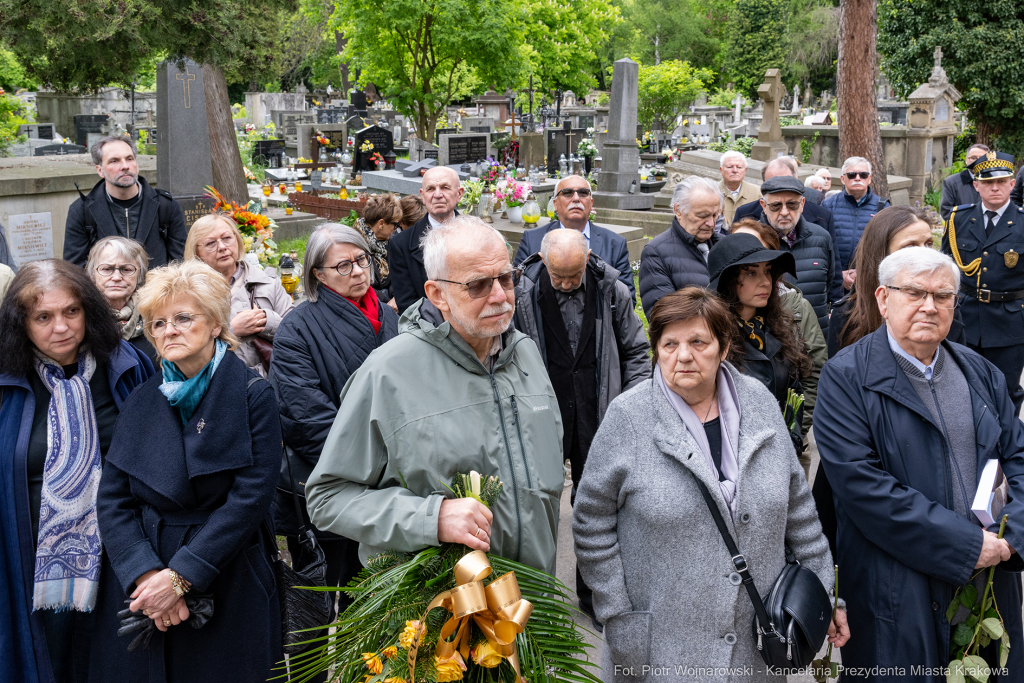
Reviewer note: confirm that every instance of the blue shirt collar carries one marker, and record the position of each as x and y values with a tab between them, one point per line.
586	231
926	370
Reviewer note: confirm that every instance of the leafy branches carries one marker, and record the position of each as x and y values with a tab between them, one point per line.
667	89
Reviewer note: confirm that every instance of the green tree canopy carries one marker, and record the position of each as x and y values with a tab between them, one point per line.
667	89
983	47
757	42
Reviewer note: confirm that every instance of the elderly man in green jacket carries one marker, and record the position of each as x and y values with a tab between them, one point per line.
458	390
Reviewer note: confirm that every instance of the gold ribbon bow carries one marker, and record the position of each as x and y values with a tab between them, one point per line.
498	609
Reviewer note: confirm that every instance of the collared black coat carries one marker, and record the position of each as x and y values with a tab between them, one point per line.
608	246
161	227
405	258
195	499
958	190
902	548
991	325
670	262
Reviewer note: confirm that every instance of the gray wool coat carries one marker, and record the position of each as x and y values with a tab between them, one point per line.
647	545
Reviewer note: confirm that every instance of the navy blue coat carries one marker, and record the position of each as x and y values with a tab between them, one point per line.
23	654
608	246
851	217
405	260
670	262
813	213
991	325
901	547
195	499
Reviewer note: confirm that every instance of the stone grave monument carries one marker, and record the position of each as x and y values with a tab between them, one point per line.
336	133
769	134
183	165
59	149
382	140
89	128
531	150
930	146
454	150
563	141
619	180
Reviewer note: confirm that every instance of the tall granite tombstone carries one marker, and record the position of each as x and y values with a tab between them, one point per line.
183	165
89	127
382	140
619	181
459	149
769	134
358	100
563	141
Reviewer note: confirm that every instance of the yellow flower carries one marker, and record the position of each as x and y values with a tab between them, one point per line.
373	662
486	655
449	669
390	652
394	679
411	628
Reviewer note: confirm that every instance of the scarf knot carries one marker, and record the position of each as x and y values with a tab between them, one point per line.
186	393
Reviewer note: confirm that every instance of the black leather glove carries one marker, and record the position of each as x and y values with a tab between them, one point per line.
200	607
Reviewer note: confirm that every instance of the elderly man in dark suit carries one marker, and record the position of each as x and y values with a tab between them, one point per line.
441	192
958	189
573	201
812	213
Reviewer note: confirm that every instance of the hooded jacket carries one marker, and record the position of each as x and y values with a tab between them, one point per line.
423	408
622	346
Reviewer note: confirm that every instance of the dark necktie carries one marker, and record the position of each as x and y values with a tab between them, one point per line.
991	219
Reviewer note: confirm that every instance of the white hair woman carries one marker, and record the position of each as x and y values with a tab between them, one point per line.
184	502
117	266
258	301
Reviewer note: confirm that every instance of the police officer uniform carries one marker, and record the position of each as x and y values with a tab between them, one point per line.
987	246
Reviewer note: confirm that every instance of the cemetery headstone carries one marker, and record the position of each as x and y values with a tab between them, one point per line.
438	132
183	148
430	154
60	149
619	180
795	109
263	150
89	124
336	134
564	140
477	124
382	141
769	133
40	131
358	100
531	150
31	237
459	149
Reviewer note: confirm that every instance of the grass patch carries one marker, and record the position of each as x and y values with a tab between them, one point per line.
295	244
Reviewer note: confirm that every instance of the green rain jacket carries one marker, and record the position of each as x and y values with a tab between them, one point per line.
422	408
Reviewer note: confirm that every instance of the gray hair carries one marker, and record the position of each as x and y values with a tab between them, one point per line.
853	161
558	185
682	196
97	147
815	182
914	261
731	154
565	240
788	162
322	239
126	249
468	231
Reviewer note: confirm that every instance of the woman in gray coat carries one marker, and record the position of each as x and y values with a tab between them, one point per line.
663	581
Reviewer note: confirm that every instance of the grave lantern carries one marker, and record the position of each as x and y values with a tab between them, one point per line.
465	168
389	161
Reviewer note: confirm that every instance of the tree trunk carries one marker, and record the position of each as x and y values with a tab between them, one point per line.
985	133
859	133
339	44
228	177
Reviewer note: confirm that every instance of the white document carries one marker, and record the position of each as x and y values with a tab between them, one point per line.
992	495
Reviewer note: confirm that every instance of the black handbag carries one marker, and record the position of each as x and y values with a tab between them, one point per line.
302	609
791	622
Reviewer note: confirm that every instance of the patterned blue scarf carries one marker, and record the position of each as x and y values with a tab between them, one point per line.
69	552
185	394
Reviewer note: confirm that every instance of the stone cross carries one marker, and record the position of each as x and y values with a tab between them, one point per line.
186	83
938	57
769	133
737	108
567	127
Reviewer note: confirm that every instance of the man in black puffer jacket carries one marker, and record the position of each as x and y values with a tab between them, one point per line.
783	203
677	258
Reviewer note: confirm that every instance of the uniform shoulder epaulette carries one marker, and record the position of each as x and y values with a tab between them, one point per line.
965	206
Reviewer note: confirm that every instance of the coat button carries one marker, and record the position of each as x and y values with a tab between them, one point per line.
984	253
576	371
745	518
935	606
735	579
730	638
984	270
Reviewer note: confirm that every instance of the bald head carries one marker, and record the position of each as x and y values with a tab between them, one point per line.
441	192
565	253
779	166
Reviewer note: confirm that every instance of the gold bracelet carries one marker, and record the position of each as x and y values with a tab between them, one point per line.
180	585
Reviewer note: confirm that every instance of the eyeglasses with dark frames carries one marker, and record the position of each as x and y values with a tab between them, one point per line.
180	322
570	191
345	267
478	289
863	175
916	295
775	207
107	269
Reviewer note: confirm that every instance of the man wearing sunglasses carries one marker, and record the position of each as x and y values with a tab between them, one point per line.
986	240
852	209
459	390
573	202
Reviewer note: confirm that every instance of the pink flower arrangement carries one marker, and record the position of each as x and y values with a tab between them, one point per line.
512	193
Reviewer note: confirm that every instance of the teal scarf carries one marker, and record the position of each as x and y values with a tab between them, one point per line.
185	394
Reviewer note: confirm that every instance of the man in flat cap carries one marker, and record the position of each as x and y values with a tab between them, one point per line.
986	240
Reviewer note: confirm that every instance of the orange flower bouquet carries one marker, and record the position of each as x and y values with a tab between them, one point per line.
257	229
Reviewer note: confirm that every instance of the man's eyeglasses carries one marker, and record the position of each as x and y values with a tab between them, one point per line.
863	175
106	269
181	321
775	207
570	191
345	267
915	295
478	289
211	246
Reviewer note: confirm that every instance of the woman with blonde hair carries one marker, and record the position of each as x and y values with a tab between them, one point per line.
184	501
258	301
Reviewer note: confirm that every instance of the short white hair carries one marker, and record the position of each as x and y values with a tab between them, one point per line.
914	261
854	161
731	154
814	181
565	240
682	195
468	231
558	185
822	172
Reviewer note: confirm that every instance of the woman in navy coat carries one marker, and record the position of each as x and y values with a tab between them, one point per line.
185	499
54	309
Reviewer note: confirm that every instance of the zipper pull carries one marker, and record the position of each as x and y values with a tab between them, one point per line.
759	639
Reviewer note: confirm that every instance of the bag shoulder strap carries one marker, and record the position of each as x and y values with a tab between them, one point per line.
740	563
